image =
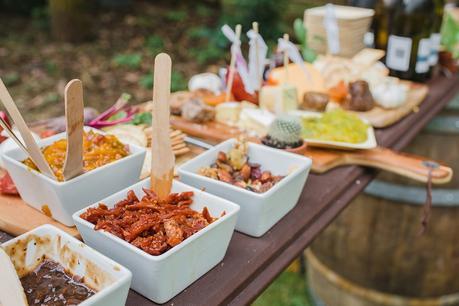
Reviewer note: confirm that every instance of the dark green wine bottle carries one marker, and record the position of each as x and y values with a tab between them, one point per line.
408	46
382	22
435	36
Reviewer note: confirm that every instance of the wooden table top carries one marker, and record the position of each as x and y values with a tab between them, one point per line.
251	264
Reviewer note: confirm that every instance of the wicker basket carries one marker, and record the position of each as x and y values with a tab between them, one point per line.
353	23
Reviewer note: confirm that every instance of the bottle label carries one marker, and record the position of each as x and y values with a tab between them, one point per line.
434	48
398	53
422	59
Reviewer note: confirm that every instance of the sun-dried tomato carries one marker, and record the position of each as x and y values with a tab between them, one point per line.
150	224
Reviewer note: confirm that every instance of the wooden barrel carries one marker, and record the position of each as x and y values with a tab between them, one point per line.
375	243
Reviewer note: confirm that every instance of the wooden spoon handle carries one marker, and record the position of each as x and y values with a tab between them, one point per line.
408	165
163	159
32	147
74	115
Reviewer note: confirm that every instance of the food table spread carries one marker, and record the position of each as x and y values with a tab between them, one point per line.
251	264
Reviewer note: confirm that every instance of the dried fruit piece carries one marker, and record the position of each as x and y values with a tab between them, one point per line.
224	176
245	172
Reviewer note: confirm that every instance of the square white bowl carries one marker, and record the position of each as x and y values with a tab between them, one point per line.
160	278
259	211
108	278
64	198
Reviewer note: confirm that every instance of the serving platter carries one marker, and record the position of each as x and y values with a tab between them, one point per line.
16	217
380	117
324	160
369	143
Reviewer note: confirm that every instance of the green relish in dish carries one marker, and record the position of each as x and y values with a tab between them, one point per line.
336	125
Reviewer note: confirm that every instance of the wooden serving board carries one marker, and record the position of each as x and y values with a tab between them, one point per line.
380	117
16	217
326	159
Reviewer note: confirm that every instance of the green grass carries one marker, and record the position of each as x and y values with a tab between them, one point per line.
289	289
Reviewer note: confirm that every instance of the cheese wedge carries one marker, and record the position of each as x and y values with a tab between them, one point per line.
255	121
228	112
279	99
298	78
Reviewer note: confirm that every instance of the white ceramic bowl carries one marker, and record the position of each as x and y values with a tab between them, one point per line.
64	198
259	211
108	278
160	278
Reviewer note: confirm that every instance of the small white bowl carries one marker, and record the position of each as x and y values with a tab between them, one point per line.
64	198
160	278
108	278
259	211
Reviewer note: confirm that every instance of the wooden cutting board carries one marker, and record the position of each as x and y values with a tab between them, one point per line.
379	117
16	217
325	159
407	165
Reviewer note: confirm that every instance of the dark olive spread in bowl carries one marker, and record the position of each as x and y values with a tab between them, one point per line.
49	284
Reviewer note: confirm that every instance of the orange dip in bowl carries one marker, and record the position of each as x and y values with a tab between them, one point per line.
98	150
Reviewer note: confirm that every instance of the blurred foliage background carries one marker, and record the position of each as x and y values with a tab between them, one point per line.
110	44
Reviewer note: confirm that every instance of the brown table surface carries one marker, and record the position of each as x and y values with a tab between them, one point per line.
251	264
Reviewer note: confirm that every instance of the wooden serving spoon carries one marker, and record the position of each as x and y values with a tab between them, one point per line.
73	165
11	290
163	159
32	147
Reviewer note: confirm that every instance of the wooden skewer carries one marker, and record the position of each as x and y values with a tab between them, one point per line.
257	60
32	147
73	165
163	159
11	290
229	84
286	38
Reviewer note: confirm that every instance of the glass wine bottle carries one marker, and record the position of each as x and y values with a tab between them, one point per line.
408	45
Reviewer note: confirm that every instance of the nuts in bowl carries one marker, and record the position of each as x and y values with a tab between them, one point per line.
265	192
235	168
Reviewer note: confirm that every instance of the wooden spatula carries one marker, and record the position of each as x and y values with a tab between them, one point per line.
32	147
74	115
163	160
11	291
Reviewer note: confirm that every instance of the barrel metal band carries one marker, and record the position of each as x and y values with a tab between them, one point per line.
441	197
